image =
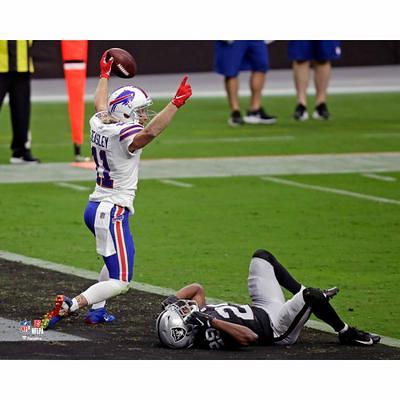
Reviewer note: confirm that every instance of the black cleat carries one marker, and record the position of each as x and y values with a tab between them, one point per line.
236	119
375	338
332	292
300	113
353	336
23	158
259	117
321	112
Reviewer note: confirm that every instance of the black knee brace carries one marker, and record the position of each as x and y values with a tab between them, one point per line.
264	254
322	309
314	297
282	275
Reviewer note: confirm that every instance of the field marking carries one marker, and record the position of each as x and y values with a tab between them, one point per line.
331	190
189	141
380	177
226	140
38	144
9	332
176	183
169	168
144	287
277	138
232	139
67	185
159	95
380	135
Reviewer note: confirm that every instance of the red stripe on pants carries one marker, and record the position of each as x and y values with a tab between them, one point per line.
121	247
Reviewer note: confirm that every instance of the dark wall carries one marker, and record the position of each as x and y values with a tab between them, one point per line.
197	56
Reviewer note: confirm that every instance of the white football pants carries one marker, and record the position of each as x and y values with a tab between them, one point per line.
287	317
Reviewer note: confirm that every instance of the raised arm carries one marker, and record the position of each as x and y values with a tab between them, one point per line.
163	118
194	291
101	94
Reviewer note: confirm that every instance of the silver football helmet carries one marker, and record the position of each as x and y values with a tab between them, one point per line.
171	327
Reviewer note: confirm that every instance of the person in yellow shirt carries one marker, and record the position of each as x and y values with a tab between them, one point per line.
16	67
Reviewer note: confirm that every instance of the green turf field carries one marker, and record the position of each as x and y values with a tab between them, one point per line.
208	232
360	123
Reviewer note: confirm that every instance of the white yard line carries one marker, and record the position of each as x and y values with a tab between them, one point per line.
66	269
331	190
72	186
380	135
276	138
300	164
271	92
380	177
176	183
282	138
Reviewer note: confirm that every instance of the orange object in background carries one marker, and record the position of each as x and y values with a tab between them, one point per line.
74	55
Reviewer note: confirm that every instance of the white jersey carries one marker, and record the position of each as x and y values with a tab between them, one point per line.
117	168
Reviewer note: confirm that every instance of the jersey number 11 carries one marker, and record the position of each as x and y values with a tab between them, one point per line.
103	177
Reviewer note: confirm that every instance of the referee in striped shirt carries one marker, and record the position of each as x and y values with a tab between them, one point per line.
15	79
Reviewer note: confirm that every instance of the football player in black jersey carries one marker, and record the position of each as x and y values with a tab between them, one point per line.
186	319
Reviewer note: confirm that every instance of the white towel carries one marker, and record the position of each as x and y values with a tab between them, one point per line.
104	241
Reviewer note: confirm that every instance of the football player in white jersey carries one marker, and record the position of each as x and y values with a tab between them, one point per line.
118	132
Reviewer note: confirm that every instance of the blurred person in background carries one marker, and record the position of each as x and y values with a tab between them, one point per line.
16	67
318	54
231	57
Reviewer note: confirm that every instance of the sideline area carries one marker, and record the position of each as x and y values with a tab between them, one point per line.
214	167
209	84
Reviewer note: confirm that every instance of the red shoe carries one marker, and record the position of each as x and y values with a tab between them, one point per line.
60	310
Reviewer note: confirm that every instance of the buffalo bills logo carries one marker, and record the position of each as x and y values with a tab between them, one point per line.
124	98
178	334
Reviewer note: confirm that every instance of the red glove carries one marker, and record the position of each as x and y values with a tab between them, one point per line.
105	66
183	93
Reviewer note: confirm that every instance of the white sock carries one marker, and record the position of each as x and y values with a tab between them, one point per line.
74	306
345	328
104	276
104	290
98	305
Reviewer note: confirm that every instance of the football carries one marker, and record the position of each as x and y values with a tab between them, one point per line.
124	64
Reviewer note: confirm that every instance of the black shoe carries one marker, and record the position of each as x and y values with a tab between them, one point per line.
321	112
375	338
235	119
259	117
23	158
300	113
353	336
329	293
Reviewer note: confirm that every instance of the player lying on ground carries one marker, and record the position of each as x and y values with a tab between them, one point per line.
188	321
118	134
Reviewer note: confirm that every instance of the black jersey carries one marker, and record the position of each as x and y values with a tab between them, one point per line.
252	317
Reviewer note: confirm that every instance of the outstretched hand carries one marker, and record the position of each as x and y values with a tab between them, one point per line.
105	66
183	93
